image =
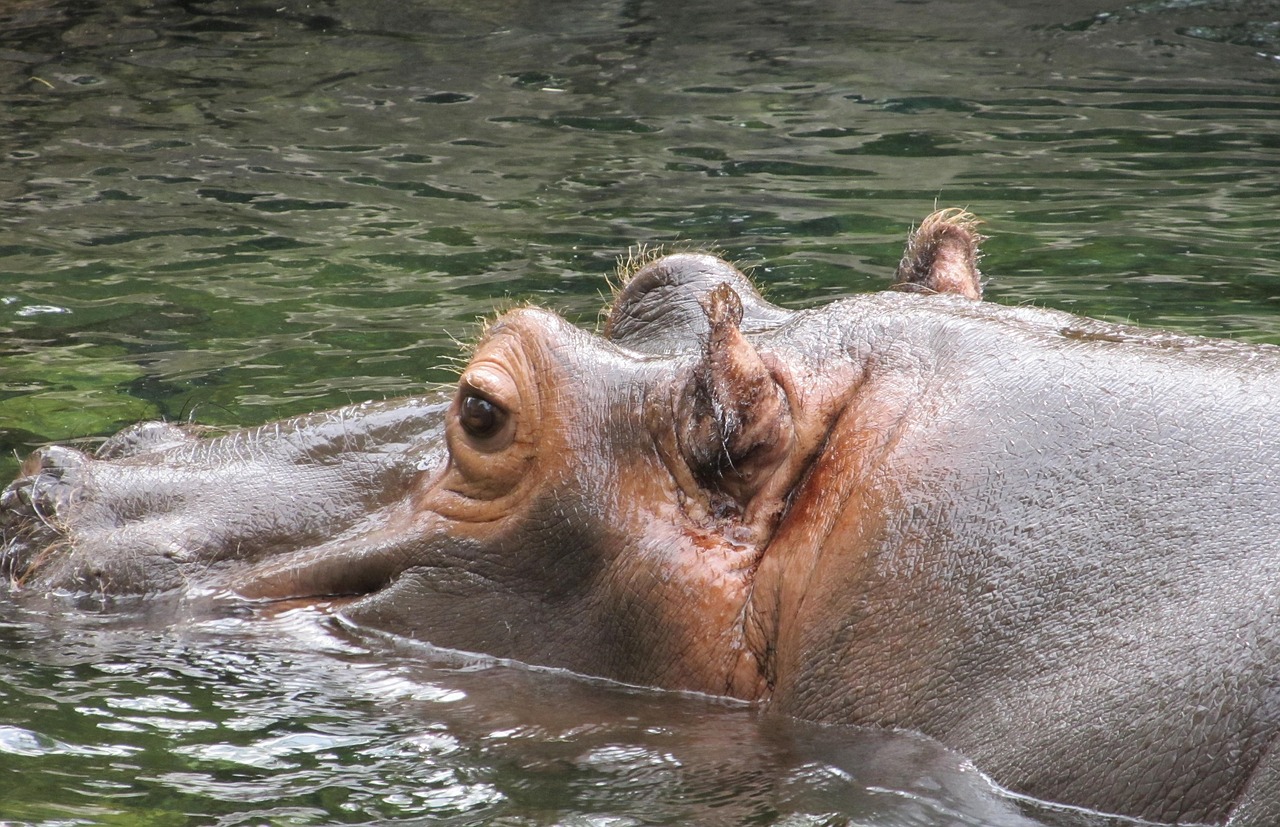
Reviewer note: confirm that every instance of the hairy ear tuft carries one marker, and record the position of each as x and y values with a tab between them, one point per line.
942	256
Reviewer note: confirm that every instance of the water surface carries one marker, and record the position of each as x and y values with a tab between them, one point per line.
286	720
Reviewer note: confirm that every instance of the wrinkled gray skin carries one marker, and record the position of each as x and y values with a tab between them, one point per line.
1050	543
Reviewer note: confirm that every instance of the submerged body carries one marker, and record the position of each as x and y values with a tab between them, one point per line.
1048	542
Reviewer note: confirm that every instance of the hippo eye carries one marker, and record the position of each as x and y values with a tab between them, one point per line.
480	418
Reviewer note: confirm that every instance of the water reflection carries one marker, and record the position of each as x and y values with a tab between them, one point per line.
265	209
290	718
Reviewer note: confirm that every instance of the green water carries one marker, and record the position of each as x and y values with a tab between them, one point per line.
282	721
232	212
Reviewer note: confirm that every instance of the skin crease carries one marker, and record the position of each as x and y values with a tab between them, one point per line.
954	631
1047	542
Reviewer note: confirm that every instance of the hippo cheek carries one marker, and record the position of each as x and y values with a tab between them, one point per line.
455	606
499	587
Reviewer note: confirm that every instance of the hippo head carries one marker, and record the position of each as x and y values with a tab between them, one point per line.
899	509
600	503
597	503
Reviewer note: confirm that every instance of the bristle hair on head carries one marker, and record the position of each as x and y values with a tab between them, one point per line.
632	261
641	255
467	345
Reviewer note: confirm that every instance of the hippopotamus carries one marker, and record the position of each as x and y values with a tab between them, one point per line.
1048	542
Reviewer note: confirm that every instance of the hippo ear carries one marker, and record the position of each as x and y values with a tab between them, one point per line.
734	419
942	256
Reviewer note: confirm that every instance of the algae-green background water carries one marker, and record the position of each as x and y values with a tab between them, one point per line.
236	212
230	212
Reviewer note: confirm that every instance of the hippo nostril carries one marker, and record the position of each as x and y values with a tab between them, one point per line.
47	490
42	486
55	461
13	497
32	509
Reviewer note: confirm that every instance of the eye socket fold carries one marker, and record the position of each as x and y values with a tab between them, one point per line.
480	418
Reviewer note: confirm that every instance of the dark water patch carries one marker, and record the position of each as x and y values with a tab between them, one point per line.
267	243
711	90
905	145
417	189
294	204
465	265
231	196
789	169
1195	108
445	98
210	263
476	143
703	152
117	195
411	158
1005	115
144	235
7	250
584	122
343	148
918	105
170	179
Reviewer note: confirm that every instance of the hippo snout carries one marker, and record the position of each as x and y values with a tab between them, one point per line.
33	505
157	507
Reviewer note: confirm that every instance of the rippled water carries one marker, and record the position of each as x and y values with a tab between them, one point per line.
288	720
233	212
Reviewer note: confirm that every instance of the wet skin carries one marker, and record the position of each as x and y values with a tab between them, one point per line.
1049	542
